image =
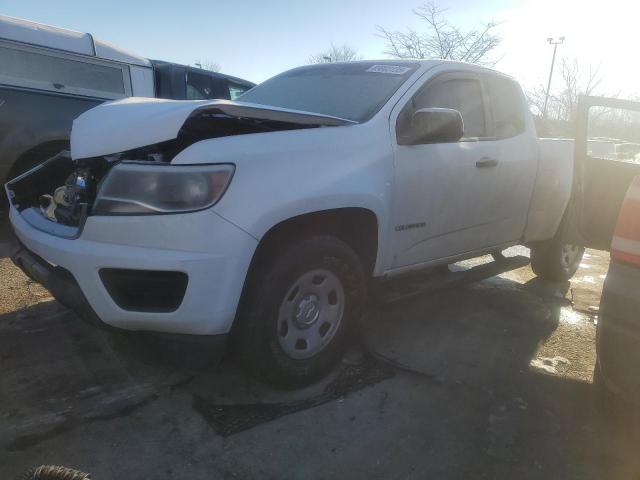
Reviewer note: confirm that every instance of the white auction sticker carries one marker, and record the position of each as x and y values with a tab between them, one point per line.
394	69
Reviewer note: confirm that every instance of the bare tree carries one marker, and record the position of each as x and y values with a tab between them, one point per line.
336	53
207	64
576	79
441	39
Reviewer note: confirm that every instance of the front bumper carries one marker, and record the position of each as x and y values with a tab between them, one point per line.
56	279
213	253
618	337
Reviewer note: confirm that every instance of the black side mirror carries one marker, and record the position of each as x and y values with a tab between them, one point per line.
433	125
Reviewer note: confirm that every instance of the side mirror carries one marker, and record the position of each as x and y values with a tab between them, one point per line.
433	125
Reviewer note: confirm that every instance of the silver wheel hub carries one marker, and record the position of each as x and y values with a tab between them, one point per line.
307	311
310	314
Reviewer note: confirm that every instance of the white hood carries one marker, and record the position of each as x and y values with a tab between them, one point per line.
129	123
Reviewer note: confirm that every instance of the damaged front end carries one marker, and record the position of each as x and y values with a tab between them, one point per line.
68	203
58	195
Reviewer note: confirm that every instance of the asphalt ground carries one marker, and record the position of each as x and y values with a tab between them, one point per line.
491	379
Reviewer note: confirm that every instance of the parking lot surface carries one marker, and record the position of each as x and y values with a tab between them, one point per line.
491	379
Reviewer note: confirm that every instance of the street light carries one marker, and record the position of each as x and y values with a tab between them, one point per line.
555	42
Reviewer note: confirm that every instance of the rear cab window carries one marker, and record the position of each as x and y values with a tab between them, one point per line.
48	70
507	106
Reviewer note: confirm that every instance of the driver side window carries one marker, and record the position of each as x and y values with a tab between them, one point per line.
462	94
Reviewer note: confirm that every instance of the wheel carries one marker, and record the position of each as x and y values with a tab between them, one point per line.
54	472
300	310
556	259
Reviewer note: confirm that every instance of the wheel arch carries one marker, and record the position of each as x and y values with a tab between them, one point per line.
356	226
25	160
37	154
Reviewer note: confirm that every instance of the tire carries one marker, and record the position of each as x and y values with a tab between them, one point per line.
54	472
299	311
556	260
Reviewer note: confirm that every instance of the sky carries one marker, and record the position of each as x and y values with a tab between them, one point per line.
256	39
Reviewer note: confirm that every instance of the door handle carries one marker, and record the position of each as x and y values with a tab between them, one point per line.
486	162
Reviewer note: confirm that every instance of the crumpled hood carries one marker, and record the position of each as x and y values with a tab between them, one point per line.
133	122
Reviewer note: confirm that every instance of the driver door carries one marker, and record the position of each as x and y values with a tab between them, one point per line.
444	192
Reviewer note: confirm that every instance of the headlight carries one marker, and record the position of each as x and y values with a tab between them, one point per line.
137	188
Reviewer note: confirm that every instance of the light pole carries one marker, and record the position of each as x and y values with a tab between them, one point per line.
555	42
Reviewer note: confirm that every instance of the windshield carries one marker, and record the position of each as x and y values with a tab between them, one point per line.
355	91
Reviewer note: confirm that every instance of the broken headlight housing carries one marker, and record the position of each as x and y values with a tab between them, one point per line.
139	188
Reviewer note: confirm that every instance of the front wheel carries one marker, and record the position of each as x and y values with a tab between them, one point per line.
300	310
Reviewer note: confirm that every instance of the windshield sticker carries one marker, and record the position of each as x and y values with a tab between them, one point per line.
393	69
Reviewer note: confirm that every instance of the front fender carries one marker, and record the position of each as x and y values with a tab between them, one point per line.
281	175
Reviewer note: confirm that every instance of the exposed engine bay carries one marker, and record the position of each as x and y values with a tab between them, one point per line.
64	205
60	189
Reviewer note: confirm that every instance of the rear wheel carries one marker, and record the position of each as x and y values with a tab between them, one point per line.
299	311
556	259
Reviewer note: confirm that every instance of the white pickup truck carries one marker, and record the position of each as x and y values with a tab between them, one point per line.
266	217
